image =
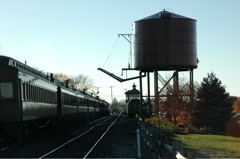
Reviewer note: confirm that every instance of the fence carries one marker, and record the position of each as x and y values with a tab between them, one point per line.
154	143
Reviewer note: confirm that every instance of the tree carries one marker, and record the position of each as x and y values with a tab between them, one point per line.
83	82
213	107
177	106
118	106
78	82
236	105
62	77
175	102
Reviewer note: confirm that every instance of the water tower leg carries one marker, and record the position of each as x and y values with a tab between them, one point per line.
176	84
149	100
191	86
156	94
141	95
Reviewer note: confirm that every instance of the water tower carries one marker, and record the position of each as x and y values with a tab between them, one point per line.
164	41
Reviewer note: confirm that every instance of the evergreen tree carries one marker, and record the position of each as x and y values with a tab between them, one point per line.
213	106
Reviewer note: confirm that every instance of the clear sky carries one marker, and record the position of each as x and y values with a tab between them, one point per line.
78	36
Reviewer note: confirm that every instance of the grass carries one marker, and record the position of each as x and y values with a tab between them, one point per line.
207	145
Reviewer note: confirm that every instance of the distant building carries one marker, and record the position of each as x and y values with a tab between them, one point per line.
233	126
132	94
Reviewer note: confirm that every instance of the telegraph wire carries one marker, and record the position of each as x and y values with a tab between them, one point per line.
110	52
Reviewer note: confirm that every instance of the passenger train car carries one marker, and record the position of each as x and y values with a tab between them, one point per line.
28	96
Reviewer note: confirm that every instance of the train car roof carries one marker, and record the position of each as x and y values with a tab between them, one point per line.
6	61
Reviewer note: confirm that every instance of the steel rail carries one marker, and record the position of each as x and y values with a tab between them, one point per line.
101	138
69	141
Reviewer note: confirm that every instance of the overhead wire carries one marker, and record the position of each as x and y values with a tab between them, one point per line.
110	52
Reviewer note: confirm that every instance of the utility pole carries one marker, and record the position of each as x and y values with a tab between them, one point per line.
98	90
111	96
125	90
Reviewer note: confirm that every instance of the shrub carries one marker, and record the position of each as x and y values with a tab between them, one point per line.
201	130
163	123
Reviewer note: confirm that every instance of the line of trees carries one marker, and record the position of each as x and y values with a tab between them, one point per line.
211	108
81	81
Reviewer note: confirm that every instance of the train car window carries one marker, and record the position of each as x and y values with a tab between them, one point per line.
36	97
87	103
35	93
74	101
31	93
66	99
55	98
47	96
69	100
62	98
52	94
28	92
38	92
41	95
6	90
52	97
79	101
24	91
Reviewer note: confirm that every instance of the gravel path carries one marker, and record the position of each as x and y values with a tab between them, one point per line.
120	141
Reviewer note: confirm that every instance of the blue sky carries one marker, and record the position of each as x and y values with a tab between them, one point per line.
77	36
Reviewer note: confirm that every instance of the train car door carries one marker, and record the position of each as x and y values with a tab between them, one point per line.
9	103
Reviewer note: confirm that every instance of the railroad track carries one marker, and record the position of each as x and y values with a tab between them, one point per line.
82	145
4	143
118	141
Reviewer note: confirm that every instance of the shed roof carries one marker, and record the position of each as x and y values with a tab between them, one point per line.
133	91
